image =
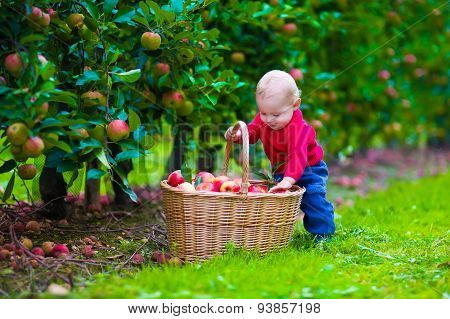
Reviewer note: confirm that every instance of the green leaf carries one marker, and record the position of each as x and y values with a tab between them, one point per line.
130	76
325	76
95	173
72	178
9	187
91	8
100	154
7	166
32	38
63	146
62	98
125	14
109	5
186	171
216	61
134	120
47	71
87	76
177	6
125	155
130	193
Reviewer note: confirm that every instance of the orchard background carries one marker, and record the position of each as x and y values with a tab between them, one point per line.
94	113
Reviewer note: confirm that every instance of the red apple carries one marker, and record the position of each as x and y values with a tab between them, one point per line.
19	227
160	257
161	68
150	41
47	247
27	171
175	178
219	180
173	99
297	74
117	130
289	29
137	259
44	21
187	187
33	147
204	177
384	75
392	92
59	250
257	189
35	14
38	251
88	252
230	186
207	186
410	58
14	64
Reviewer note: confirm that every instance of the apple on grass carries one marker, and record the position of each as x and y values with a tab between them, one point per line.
230	186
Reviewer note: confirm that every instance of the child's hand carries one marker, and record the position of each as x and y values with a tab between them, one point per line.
285	184
237	136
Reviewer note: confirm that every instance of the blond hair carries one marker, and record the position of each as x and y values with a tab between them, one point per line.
265	84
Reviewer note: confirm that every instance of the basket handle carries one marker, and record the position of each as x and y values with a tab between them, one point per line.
245	149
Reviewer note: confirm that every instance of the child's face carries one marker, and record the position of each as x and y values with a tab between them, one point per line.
276	110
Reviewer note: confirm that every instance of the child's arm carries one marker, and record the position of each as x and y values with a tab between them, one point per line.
286	183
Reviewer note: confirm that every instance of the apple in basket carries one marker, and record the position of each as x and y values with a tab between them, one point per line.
207	187
187	187
257	189
175	178
230	186
204	177
219	180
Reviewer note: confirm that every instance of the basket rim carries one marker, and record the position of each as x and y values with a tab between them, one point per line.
298	191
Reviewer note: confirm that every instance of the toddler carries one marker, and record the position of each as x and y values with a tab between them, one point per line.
290	143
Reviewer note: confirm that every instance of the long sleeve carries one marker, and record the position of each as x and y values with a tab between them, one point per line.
297	158
254	130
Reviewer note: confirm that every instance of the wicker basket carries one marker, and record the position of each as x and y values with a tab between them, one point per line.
201	223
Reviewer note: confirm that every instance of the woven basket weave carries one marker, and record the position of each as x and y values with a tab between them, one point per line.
201	223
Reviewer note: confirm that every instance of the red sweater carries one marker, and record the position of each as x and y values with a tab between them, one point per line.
295	144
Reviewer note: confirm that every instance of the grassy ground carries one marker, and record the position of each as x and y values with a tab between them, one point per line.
392	244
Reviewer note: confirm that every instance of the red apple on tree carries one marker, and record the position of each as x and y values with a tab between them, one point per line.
289	29
33	147
173	99
17	133
161	68
117	130
14	64
297	74
27	171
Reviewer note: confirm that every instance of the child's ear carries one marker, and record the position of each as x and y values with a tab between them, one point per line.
297	103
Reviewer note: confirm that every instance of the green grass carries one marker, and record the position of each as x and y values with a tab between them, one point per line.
392	244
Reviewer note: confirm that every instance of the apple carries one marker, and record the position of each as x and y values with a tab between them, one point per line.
59	250
316	124
175	178
219	180
237	180
151	40
117	130
27	171
137	259
175	261
19	227
38	251
93	98
44	21
185	56
173	99
33	147
230	186
75	20
161	68
14	64
410	58
204	177
207	186
17	133
339	201
393	17
289	29
160	257
391	92
257	189
238	57
4	254
187	187
98	133
356	181
297	74
88	252
185	109
35	14
42	109
9	247
33	226
27	243
52	13
351	107
384	75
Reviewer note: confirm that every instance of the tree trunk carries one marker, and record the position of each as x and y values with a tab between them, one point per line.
92	191
182	132
53	191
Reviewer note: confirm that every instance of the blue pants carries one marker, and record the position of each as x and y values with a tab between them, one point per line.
319	212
